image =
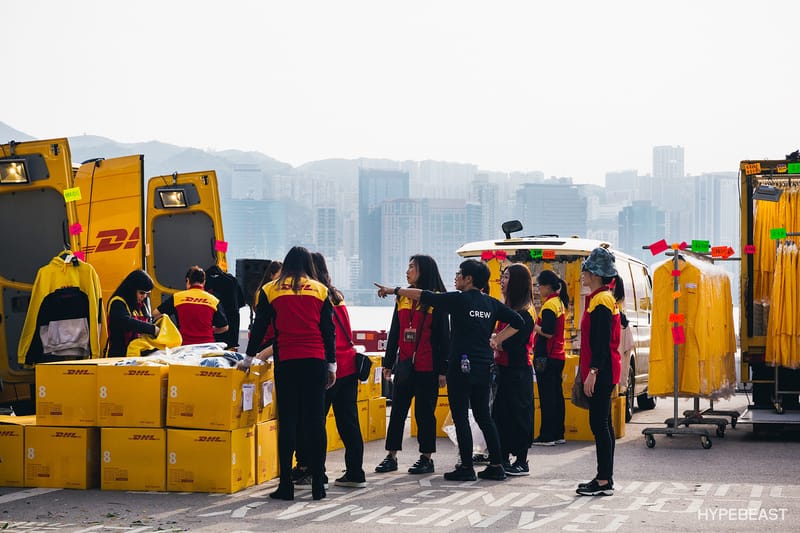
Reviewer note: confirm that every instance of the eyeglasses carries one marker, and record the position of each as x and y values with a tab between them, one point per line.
143	293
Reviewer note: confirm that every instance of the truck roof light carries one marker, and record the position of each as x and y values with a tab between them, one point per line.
172	198
13	172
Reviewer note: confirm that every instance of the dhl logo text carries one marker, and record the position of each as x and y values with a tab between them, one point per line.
208	438
138	373
210	373
143	437
109	240
7	434
77	372
65	435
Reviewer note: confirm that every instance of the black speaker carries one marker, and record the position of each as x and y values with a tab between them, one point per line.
249	273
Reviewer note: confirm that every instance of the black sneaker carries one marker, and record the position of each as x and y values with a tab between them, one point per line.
519	468
347	480
424	465
305	481
299	472
461	473
561	441
584	485
593	488
480	459
389	464
495	473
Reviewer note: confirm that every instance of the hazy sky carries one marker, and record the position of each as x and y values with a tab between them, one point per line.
571	88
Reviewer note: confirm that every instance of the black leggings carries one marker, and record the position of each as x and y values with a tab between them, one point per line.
424	388
512	410
600	422
343	396
551	400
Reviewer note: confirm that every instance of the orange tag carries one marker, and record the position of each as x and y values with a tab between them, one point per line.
548	254
676	317
676	295
752	168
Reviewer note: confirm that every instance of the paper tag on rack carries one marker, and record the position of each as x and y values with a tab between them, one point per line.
678	335
676	295
536	254
676	273
548	254
777	233
749	249
221	246
658	247
752	168
700	247
72	195
676	317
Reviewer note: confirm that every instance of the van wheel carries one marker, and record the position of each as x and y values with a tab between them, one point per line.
646	402
629	394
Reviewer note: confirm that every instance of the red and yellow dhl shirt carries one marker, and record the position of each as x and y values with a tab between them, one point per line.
607	358
411	317
345	352
555	344
198	313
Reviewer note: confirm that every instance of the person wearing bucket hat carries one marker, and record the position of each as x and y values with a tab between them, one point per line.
600	363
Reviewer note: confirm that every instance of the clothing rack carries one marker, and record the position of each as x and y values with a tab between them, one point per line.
673	425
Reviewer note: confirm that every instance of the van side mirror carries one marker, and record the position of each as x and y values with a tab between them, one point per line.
511	226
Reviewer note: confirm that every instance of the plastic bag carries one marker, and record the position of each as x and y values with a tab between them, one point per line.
478	441
168	337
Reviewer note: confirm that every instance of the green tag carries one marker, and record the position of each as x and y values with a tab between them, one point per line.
72	195
793	168
700	247
777	233
536	254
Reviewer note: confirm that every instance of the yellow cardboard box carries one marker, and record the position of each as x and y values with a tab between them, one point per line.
61	457
265	381
576	423
211	398
12	449
210	461
335	441
375	390
267	466
441	411
133	459
131	395
66	393
363	418
377	418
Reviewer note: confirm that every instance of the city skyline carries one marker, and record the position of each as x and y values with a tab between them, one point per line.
576	88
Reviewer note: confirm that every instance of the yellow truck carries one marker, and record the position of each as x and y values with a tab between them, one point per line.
105	213
770	308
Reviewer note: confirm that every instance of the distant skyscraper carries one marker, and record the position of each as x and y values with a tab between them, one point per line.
401	235
640	224
552	208
446	226
247	182
668	162
485	194
255	229
374	188
325	231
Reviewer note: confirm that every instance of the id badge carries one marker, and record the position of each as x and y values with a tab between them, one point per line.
410	335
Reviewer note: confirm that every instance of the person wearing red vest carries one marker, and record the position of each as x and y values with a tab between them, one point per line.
549	341
198	312
600	363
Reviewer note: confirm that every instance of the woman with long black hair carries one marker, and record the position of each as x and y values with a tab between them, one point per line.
419	338
129	312
305	363
512	409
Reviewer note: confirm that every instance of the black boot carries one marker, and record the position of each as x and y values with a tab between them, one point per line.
318	486
285	490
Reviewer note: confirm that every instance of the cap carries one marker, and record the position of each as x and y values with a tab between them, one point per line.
600	263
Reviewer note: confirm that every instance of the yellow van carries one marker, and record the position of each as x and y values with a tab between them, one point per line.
564	255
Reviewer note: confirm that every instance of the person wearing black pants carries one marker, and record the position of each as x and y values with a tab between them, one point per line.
549	344
512	409
305	364
473	316
600	363
418	341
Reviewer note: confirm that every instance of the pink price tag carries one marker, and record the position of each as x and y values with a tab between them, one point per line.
750	249
683	245
658	247
80	255
677	335
221	246
75	229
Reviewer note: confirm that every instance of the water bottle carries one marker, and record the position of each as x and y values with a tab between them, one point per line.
465	366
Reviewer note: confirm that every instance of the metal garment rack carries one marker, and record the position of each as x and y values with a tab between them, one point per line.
673	425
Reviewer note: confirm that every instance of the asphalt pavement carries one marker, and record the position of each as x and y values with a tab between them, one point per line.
746	481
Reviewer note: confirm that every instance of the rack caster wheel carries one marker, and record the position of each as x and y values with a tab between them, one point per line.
720	432
733	422
705	442
650	441
778	408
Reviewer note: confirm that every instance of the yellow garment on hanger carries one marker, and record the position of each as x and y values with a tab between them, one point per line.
706	359
783	331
